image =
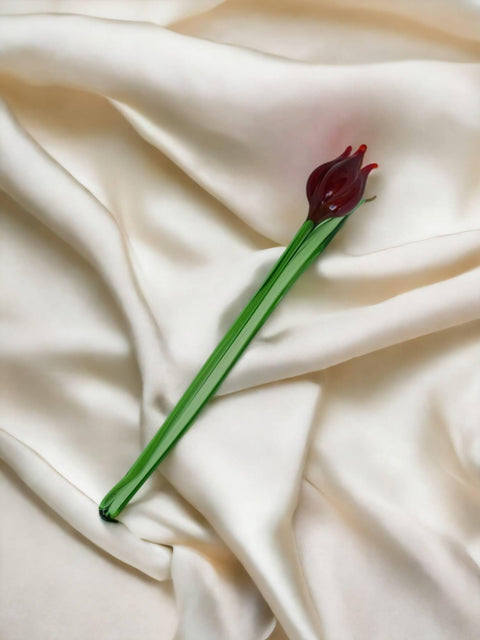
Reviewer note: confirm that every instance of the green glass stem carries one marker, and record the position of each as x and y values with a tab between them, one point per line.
307	244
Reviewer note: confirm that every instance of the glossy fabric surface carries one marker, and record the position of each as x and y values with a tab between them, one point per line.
153	161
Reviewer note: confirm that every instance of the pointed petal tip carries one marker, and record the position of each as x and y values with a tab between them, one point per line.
369	167
361	150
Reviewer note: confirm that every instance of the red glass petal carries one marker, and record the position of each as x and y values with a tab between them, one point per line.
317	174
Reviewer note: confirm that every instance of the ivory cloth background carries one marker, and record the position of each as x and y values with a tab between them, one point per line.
153	164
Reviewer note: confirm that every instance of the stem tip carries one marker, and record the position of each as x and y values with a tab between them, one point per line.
104	515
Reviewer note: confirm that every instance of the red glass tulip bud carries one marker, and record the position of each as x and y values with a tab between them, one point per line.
335	188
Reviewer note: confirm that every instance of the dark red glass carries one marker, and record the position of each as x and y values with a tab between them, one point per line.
335	188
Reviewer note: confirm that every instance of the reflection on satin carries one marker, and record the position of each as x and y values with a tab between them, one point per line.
153	165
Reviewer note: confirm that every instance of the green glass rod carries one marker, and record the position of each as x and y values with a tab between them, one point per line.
308	243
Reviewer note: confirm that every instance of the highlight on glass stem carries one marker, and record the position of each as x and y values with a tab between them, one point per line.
334	190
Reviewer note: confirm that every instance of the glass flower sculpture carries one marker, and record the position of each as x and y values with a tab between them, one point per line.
334	190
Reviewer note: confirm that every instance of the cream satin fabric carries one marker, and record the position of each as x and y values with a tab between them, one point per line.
153	163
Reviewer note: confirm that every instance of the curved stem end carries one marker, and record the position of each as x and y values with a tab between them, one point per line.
104	515
105	508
